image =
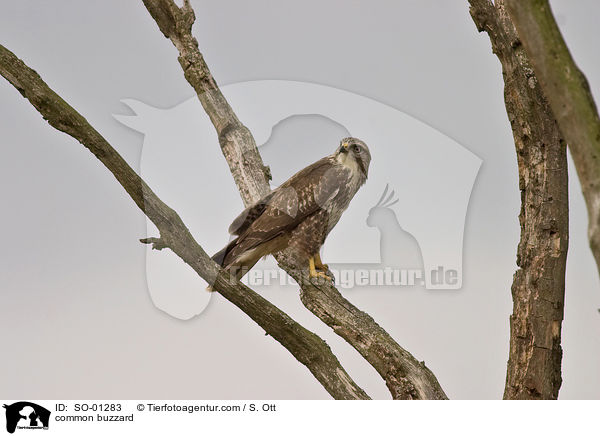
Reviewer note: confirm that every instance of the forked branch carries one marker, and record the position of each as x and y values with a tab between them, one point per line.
405	376
570	98
538	289
304	345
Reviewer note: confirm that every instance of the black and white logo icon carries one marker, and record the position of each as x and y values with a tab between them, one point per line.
26	415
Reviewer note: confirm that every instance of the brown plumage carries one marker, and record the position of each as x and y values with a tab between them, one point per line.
300	213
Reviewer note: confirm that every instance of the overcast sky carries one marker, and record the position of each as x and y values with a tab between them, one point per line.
76	315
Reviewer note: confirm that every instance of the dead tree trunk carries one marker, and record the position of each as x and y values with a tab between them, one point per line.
534	364
570	98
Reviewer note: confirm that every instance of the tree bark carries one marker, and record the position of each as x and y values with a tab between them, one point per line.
237	143
405	376
304	345
570	98
534	364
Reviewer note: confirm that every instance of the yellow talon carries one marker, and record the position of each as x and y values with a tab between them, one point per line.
311	267
319	264
324	275
312	270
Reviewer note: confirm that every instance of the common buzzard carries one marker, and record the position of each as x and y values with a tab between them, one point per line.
300	213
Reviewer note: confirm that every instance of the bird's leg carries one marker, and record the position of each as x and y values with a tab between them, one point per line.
319	264
312	270
311	267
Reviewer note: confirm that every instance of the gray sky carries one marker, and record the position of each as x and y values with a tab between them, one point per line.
75	311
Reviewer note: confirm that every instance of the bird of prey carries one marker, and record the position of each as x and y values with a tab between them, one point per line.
300	213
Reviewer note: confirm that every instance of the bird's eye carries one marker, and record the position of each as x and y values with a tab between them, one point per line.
355	148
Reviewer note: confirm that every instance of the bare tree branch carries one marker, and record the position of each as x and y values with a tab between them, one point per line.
405	376
237	143
304	345
570	98
534	364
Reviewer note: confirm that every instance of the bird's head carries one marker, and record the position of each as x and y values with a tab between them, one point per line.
355	154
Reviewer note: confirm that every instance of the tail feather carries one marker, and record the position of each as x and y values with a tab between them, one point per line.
226	257
220	256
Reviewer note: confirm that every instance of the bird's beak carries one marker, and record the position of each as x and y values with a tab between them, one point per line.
344	147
